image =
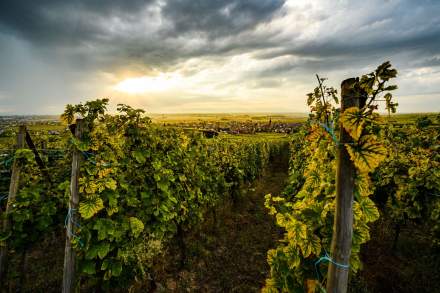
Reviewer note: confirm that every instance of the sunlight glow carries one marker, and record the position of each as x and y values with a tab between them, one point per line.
145	84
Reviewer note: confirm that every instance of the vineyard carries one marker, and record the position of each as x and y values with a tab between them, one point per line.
115	202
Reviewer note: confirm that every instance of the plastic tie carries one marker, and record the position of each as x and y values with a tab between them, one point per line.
68	219
327	258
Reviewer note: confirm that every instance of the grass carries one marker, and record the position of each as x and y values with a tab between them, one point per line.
410	117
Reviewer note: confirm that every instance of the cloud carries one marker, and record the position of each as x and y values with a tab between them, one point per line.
151	32
55	52
66	23
218	18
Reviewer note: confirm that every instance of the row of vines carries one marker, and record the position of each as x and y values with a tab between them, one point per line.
140	186
397	177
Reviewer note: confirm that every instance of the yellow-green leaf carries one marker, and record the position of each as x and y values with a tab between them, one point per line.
353	120
369	209
136	226
367	153
90	207
111	184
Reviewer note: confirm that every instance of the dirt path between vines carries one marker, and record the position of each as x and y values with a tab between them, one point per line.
232	257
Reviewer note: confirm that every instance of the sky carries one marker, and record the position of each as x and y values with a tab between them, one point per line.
194	56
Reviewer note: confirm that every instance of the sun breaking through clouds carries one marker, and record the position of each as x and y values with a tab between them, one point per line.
211	56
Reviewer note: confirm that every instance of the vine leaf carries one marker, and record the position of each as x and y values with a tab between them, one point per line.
139	157
112	268
111	184
104	249
369	209
90	207
367	153
310	246
136	226
105	228
316	132
100	250
88	267
353	120
116	269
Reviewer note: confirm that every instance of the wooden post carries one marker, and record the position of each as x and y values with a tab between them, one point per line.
337	278
38	159
69	253
13	189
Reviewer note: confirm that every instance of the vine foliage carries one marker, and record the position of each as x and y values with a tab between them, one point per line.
306	210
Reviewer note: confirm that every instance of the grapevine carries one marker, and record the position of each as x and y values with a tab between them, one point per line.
306	210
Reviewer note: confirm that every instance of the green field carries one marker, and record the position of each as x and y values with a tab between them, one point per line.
225	117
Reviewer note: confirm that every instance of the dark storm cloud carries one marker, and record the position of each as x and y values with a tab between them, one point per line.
222	27
218	17
52	22
106	34
433	61
66	22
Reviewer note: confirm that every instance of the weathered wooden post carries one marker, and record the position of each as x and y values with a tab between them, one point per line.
38	159
337	279
69	272
13	189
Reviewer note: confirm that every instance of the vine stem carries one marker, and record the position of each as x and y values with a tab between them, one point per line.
323	97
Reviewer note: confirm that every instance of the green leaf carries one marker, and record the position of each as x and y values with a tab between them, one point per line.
90	207
139	157
105	264
116	269
88	267
24	154
163	185
100	250
105	228
91	253
136	226
104	249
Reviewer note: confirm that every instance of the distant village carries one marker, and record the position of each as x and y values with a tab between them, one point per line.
9	124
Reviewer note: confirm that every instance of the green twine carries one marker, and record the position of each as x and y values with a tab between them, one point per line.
331	130
69	218
8	161
88	155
